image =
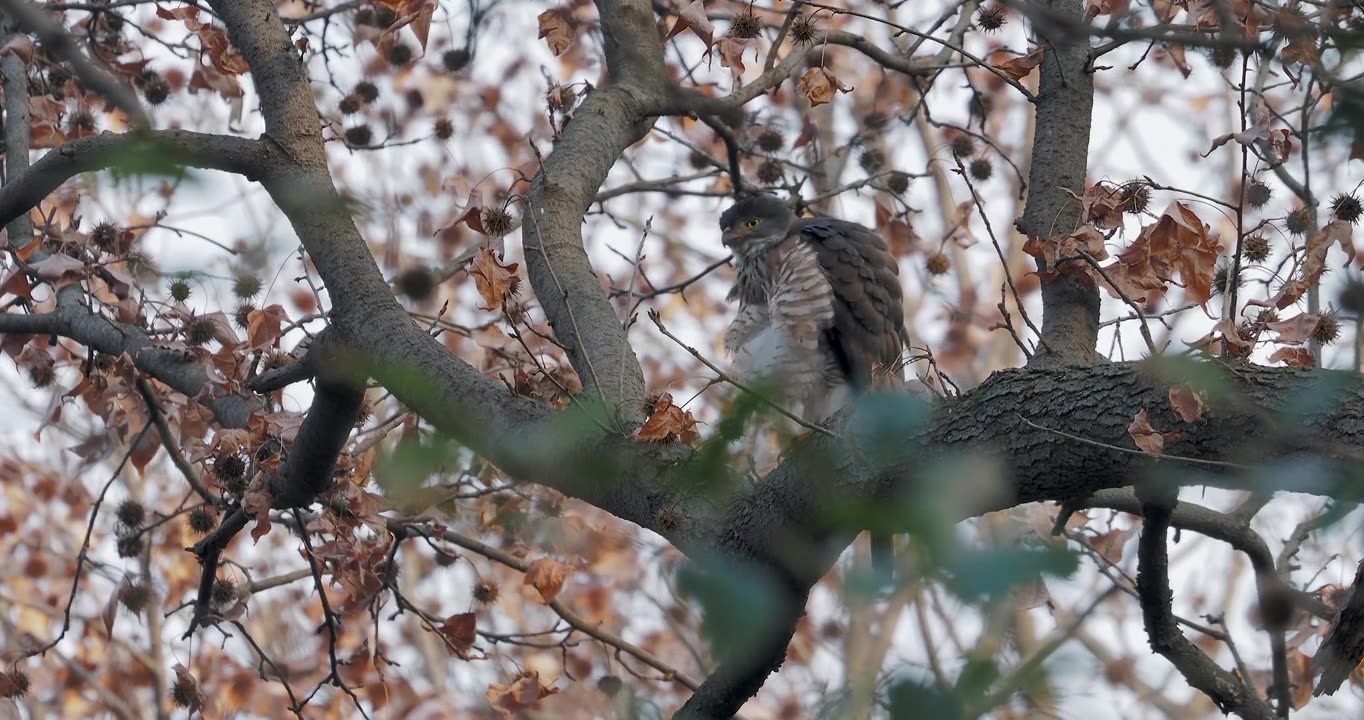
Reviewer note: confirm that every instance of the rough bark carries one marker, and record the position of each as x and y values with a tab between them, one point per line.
1060	157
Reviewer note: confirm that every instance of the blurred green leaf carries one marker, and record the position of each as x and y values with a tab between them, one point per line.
737	602
149	158
991	573
910	699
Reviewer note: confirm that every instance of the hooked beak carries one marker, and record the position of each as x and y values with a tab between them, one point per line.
730	236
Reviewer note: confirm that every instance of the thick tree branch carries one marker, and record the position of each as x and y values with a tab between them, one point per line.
18	139
1230	693
243	156
1060	159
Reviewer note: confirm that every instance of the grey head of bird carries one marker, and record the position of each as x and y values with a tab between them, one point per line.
755	225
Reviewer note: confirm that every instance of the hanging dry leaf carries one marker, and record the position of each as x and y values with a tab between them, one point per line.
693	17
732	56
59	269
668	422
1188	402
525	692
1293	357
1019	67
459	631
547	576
1148	439
1297	329
557	29
495	281
263	327
817	85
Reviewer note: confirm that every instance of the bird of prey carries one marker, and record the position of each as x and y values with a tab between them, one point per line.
1343	647
820	309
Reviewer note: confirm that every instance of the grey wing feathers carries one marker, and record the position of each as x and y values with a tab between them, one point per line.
868	322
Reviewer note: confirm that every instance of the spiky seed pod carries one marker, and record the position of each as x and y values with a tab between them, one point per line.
135	596
610	686
991	18
1221	275
771	140
201	521
1223	56
414	99
241	317
224	593
15	683
770	172
898	182
445	559
141	264
486	592
803	30
400	54
179	289
130	546
364	16
876	121
698	160
1352	297
246	286
1299	221
183	693
1328	329
156	90
229	467
416	283
872	160
1258	194
963	146
1256	248
359	136
1267	316
981	169
498	222
444	129
81	121
746	25
105	237
455	60
42	375
350	104
367	91
199	331
131	514
275	359
1346	208
1135	197
938	264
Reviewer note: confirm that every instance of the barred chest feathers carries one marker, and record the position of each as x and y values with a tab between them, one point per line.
778	340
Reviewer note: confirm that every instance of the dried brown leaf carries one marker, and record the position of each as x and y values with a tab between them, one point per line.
547	576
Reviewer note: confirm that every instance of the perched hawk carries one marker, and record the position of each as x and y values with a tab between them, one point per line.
820	308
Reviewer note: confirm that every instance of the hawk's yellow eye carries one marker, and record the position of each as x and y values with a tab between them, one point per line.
753	222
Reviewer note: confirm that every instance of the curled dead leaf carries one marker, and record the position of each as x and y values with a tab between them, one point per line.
818	84
557	29
525	692
1019	67
547	576
668	422
1293	357
1148	439
459	631
1188	402
495	280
